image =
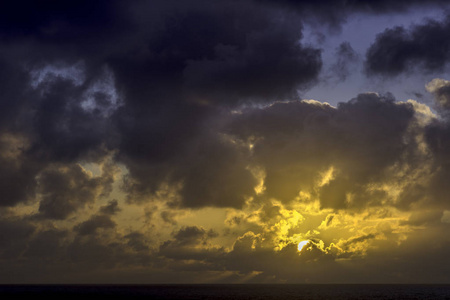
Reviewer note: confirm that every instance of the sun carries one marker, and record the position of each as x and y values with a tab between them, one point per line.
302	244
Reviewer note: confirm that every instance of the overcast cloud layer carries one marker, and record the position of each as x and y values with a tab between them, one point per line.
169	142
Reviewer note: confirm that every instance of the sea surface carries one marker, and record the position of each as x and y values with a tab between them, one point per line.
226	291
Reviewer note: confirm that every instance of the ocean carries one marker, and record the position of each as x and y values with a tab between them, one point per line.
235	291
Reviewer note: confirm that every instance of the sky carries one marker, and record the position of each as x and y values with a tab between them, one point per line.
253	141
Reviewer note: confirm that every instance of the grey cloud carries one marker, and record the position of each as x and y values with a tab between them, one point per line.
42	125
48	245
286	159
440	89
185	242
65	189
398	50
137	241
192	234
361	239
101	220
316	265
329	220
14	86
213	172
92	253
346	60
270	66
95	222
426	217
335	13
168	216
14	235
176	71
436	136
111	208
174	74
17	182
381	6
295	141
222	56
160	114
62	130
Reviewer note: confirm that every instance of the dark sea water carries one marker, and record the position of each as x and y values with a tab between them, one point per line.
225	291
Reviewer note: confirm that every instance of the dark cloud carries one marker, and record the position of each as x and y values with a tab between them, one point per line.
213	172
169	217
363	5
171	77
65	189
17	183
111	208
192	234
47	245
137	241
14	86
44	122
51	19
92	253
62	129
346	59
272	131
195	102
425	217
96	222
293	142
314	264
440	89
201	57
14	235
271	64
436	137
329	220
191	242
334	13
361	239
101	220
398	50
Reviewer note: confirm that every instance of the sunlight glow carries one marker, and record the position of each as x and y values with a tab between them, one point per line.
302	244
